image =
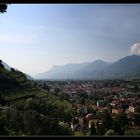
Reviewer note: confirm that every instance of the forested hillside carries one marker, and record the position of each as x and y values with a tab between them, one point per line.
27	109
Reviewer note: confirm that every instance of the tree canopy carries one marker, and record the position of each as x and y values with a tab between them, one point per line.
3	8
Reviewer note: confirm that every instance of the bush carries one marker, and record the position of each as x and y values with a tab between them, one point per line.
109	132
133	132
79	134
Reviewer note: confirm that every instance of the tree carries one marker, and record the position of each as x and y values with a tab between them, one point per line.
138	108
120	123
107	120
110	132
32	121
81	100
3	8
29	104
100	130
64	128
1	65
12	70
137	119
15	120
99	115
134	131
3	124
92	129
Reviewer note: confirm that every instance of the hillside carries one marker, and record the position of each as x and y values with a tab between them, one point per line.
11	79
124	68
28	109
14	85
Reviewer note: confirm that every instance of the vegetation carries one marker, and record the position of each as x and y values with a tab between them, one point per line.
110	132
31	108
27	109
3	8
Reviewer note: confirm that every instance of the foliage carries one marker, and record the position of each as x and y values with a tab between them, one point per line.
92	129
3	8
110	132
29	104
120	123
100	130
107	120
137	119
134	131
3	124
78	134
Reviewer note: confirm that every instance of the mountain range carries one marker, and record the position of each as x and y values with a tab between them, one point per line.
127	67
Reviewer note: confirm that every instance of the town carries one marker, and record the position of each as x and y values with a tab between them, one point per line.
110	107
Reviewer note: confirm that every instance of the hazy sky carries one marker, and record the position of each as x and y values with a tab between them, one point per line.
34	37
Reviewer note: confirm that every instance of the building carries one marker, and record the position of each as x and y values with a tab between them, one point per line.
74	124
117	111
89	117
81	108
100	103
132	107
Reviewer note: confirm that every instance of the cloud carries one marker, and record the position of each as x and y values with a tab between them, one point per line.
135	49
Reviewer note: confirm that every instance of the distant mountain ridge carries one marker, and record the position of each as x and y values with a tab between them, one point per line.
127	67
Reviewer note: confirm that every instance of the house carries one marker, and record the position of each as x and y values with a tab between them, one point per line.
81	108
82	123
132	107
113	104
100	103
114	111
117	89
89	117
117	111
74	124
90	123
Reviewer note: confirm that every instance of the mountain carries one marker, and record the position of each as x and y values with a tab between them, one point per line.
92	70
60	72
7	67
127	67
124	67
73	71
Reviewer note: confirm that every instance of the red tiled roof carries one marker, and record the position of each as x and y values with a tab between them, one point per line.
117	89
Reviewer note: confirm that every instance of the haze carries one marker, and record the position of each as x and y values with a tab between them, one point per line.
35	37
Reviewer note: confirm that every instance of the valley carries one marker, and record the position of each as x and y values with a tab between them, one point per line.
69	70
75	107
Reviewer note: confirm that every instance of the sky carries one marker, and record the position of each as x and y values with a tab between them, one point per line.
35	37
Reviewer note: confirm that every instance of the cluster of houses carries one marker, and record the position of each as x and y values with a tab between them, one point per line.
84	123
117	105
122	100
